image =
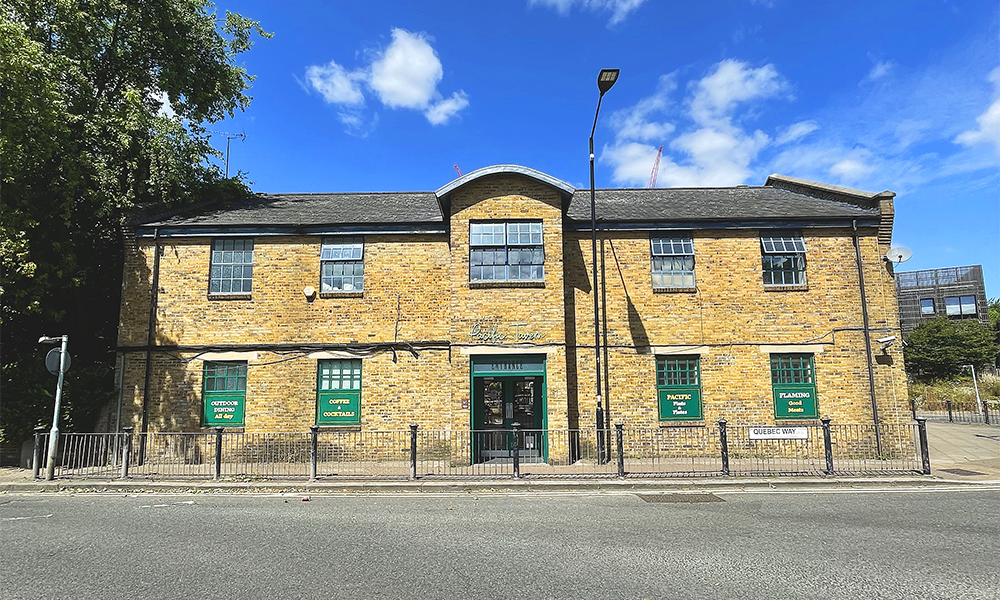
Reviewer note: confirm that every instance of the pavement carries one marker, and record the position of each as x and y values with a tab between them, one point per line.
961	455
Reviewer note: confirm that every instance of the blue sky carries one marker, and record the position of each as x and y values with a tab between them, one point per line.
875	95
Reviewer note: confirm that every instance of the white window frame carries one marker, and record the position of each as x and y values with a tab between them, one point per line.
229	265
342	265
779	249
671	262
497	251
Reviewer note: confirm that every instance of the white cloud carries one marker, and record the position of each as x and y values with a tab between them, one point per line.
853	168
405	75
988	131
166	109
879	70
713	150
796	131
439	112
619	9
635	124
336	84
733	82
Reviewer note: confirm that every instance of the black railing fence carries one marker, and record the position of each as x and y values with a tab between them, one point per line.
956	411
711	451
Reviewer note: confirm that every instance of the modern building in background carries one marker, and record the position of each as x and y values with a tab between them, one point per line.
471	308
953	292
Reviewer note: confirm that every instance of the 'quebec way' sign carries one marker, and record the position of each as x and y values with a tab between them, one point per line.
779	433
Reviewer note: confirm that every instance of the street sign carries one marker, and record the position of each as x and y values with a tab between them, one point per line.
779	433
52	361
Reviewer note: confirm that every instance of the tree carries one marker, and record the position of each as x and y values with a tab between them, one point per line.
104	105
940	348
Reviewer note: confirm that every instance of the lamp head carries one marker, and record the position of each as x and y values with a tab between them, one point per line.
606	79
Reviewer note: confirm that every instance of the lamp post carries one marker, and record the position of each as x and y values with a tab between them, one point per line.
979	402
605	79
50	464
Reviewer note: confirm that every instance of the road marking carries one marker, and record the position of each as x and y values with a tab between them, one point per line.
166	505
938	490
26	518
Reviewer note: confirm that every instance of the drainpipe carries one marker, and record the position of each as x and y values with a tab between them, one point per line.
868	341
150	339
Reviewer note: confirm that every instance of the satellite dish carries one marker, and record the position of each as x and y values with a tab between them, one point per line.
898	254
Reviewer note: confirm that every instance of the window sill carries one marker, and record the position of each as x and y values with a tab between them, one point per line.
343	294
804	287
479	285
222	296
675	290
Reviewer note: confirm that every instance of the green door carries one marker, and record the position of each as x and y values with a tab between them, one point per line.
501	401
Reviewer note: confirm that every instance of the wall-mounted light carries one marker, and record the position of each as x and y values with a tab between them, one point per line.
309	292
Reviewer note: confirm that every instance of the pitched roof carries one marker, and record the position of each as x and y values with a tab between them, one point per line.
708	204
305	210
422	210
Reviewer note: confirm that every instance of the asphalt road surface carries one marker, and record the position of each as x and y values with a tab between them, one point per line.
886	544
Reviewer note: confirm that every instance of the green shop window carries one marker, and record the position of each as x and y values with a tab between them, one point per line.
338	396
225	394
794	386
678	388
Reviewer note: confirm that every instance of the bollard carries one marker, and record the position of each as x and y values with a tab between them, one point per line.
36	457
925	454
827	445
948	403
218	453
413	452
913	408
313	442
724	443
516	450
620	443
986	412
126	451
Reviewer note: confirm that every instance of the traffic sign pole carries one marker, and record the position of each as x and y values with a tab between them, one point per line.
50	464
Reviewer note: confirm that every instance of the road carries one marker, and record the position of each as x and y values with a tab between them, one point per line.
885	544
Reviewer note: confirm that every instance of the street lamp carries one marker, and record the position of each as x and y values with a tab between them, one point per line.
605	79
50	464
979	402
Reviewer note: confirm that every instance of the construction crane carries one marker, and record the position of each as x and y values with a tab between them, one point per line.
457	169
656	169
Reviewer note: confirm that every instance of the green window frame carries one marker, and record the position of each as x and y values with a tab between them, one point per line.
793	382
224	394
338	392
678	388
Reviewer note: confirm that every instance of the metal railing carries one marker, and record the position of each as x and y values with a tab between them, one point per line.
714	450
956	411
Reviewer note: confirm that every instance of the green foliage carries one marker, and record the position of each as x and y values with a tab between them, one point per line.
940	349
86	140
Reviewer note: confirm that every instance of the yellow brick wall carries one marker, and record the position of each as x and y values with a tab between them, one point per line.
417	289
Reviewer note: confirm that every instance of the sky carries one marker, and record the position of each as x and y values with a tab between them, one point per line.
874	95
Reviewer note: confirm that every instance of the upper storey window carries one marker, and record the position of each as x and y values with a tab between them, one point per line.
783	256
342	265
506	251
232	266
673	261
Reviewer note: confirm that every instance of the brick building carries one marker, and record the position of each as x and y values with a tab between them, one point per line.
471	308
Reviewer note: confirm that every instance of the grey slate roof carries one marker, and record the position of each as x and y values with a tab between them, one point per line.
708	204
298	210
657	205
